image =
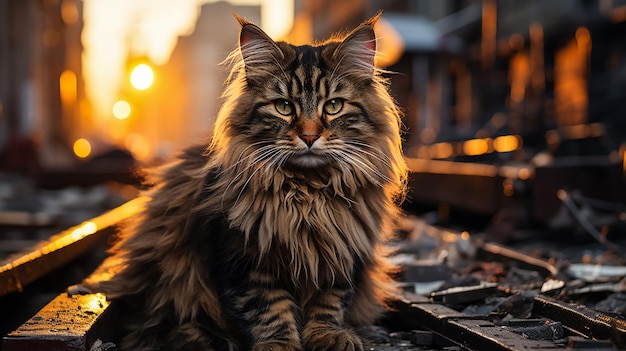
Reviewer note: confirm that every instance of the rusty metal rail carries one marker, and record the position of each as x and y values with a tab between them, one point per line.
75	323
471	332
29	265
479	333
424	323
584	321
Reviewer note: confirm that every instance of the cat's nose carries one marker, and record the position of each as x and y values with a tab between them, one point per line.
309	139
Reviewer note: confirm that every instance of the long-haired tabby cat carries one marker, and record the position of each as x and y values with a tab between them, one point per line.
270	237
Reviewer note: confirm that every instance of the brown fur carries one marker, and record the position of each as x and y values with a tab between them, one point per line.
248	244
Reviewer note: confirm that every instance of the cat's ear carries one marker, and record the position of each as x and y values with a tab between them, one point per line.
359	47
256	47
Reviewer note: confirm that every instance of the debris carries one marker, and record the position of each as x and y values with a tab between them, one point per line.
465	294
593	272
519	305
586	224
580	343
98	345
421	337
546	331
499	252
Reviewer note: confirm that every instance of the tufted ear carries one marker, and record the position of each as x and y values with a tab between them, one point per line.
359	47
256	47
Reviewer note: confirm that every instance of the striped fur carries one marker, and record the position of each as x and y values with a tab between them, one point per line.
271	238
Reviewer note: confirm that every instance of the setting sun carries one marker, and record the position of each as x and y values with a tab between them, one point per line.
150	29
142	77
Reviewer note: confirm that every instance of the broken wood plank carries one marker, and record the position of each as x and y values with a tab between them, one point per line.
470	332
586	321
71	323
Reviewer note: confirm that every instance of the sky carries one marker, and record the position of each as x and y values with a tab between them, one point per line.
151	28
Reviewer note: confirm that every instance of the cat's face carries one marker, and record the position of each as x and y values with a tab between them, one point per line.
310	106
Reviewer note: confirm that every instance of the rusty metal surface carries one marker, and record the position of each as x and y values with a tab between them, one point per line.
26	266
576	325
75	323
468	186
585	321
483	335
66	323
596	177
468	331
460	295
502	253
505	306
480	188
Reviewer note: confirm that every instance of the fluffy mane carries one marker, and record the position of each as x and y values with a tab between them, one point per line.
239	199
273	203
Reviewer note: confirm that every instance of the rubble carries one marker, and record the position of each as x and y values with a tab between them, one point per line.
496	297
462	292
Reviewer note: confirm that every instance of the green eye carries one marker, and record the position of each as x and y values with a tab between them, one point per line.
333	106
284	107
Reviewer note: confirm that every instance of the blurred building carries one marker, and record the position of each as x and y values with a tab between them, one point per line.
516	67
41	87
474	68
180	107
505	101
466	69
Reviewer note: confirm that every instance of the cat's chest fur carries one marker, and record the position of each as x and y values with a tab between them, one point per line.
312	229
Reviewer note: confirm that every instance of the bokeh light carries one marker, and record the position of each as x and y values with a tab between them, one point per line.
142	77
121	109
82	148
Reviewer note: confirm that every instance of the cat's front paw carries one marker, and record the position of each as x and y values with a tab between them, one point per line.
78	289
332	339
276	346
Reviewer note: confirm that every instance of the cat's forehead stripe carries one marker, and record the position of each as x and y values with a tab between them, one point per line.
310	81
302	78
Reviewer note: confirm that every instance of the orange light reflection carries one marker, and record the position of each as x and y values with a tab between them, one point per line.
82	148
507	143
474	147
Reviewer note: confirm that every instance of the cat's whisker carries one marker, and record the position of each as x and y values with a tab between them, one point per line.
273	151
343	158
365	166
263	165
274	163
385	162
250	164
244	159
264	152
375	170
282	161
381	155
332	75
377	154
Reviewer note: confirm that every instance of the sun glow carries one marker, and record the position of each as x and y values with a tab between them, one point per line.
116	29
142	77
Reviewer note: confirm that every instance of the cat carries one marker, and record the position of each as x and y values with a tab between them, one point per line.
271	236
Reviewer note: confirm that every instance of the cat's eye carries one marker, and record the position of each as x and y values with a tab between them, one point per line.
284	107
333	106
